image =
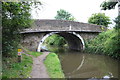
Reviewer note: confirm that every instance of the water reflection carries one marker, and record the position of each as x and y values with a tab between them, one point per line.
82	65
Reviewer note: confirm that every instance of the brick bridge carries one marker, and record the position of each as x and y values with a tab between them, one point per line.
75	33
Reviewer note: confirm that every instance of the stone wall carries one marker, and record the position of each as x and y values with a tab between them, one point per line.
87	36
32	40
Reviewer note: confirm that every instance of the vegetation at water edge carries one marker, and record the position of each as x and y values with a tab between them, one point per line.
53	66
105	43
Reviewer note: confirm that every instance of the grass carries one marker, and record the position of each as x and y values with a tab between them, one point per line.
53	66
35	54
13	69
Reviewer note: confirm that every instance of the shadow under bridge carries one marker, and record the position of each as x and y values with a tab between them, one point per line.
74	40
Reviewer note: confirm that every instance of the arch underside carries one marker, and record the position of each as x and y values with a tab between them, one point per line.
75	41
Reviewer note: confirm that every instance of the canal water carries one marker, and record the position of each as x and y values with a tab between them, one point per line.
82	65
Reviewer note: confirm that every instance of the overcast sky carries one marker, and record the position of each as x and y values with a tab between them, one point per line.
80	9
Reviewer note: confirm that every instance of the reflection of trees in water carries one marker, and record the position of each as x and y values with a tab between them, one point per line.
93	66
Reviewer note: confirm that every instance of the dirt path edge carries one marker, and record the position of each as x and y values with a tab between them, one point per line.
38	68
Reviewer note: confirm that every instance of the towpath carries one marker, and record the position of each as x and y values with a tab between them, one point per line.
38	68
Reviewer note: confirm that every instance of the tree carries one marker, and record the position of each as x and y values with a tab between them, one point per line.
110	4
55	40
117	21
99	19
64	15
15	17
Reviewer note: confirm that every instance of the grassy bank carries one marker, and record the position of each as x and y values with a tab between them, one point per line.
53	66
106	43
13	69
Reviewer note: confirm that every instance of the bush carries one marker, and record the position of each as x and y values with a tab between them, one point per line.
15	17
105	43
55	40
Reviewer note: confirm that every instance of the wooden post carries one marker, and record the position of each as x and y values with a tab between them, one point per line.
19	55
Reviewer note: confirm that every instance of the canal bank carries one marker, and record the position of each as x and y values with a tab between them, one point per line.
53	66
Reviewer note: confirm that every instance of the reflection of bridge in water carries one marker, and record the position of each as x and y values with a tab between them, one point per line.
74	33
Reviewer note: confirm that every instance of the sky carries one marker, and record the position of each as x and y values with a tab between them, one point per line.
80	9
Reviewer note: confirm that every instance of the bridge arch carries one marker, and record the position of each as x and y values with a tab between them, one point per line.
75	41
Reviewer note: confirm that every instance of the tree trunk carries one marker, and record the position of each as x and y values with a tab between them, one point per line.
118	8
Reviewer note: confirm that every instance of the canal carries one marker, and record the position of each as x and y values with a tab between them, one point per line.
83	65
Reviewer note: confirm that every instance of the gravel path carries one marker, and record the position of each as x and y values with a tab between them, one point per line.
39	69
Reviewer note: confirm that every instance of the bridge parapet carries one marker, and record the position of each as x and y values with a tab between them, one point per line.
63	25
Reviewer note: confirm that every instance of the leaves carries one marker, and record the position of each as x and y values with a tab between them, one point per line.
15	17
108	5
64	15
99	19
117	21
55	40
105	43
